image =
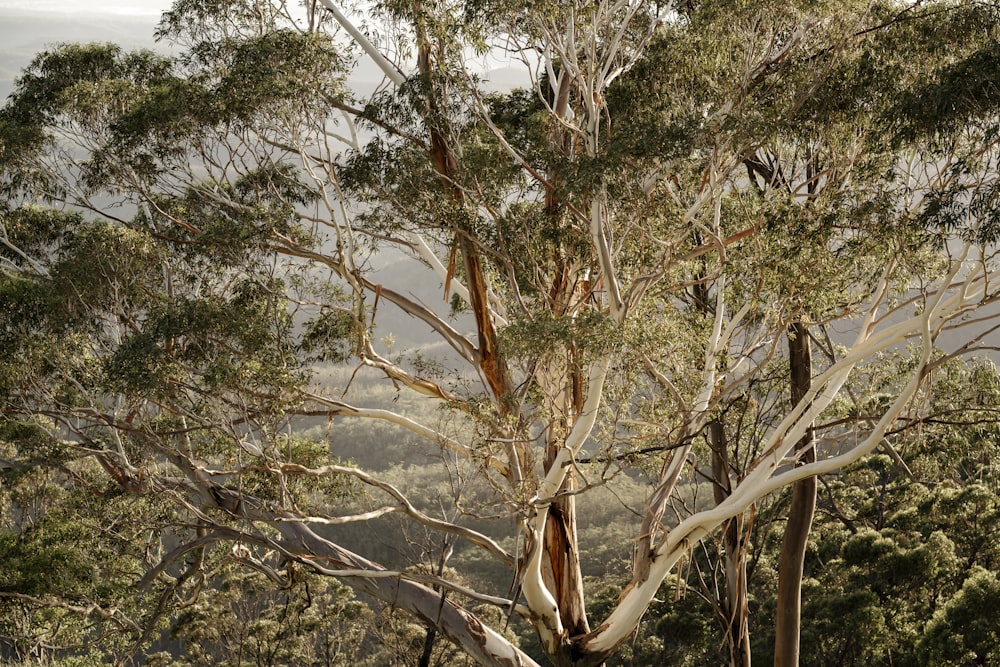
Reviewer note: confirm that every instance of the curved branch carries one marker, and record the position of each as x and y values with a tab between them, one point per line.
427	579
338	407
300	541
405	506
763	477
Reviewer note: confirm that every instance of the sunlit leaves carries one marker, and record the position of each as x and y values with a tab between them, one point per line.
964	630
224	225
963	88
280	66
543	335
83	88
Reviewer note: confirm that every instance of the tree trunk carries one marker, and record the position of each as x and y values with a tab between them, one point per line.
735	608
561	565
563	561
800	515
562	553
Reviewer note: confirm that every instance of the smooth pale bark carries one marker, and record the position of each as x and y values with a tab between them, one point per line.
390	70
696	417
800	515
411	307
599	237
298	541
342	408
404	505
764	477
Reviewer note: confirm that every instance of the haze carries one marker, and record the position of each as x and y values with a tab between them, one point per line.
29	27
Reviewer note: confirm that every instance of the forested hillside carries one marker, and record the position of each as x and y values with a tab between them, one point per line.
679	353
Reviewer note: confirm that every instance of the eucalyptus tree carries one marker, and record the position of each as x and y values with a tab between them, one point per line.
628	239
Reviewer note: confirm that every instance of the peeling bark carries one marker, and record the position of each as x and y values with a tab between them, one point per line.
491	363
562	553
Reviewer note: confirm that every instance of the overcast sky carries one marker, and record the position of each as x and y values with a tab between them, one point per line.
91	7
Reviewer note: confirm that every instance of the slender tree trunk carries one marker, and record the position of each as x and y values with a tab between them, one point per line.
800	515
735	608
425	657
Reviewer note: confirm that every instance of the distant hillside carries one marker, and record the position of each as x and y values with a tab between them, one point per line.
24	34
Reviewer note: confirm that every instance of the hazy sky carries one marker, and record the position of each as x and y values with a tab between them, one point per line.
30	26
91	7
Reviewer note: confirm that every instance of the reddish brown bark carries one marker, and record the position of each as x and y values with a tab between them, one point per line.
492	365
562	562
